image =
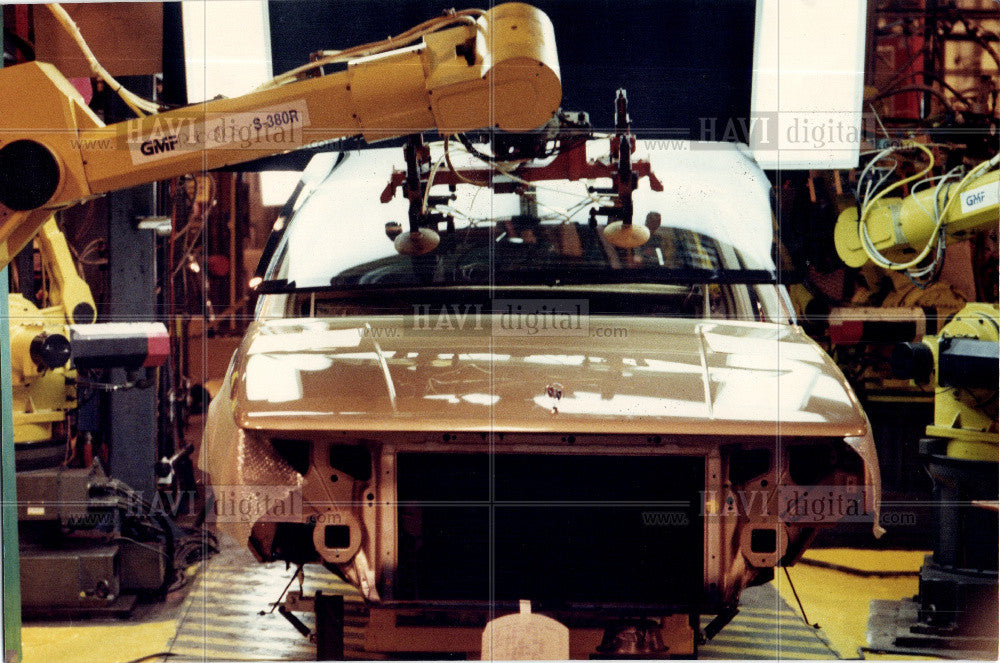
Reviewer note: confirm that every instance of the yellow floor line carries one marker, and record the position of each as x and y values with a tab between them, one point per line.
839	601
708	651
90	643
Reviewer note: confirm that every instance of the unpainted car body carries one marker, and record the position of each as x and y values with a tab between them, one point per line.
631	442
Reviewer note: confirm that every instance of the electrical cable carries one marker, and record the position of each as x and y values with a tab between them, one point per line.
456	173
195	546
150	657
885	131
901	70
509	172
84	257
430	183
865	153
952	196
918	88
203	659
937	78
113	386
83	227
928	181
140	106
474	151
975	33
565	215
797	599
924	277
468	16
880	154
868	203
850	570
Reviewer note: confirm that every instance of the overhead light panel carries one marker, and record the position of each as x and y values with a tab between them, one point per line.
808	82
227	47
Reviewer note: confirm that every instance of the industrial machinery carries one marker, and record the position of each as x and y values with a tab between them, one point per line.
955	611
669	406
472	376
394	460
464	70
43	384
467	70
909	233
88	543
90	533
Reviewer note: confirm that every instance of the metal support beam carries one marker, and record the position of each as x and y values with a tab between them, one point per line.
132	429
329	627
11	589
10	583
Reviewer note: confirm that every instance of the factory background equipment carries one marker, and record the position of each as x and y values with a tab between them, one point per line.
79	523
76	524
708	264
955	609
931	76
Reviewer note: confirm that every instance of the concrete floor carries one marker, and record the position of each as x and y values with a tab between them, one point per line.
215	617
836	600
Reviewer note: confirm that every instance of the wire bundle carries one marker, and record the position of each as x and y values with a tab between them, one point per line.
946	192
451	17
143	107
194	544
138	105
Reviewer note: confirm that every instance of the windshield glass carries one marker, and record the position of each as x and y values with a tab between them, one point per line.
710	223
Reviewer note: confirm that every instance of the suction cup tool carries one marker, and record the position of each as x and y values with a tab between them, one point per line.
393	229
626	236
418	242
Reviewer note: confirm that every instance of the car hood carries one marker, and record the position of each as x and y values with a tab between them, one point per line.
618	374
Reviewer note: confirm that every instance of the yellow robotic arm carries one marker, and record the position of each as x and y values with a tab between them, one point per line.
39	339
66	292
901	228
499	70
962	360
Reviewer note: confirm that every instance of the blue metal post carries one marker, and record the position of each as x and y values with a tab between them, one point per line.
10	582
11	587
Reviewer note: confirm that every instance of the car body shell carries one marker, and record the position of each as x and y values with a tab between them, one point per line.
463	382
